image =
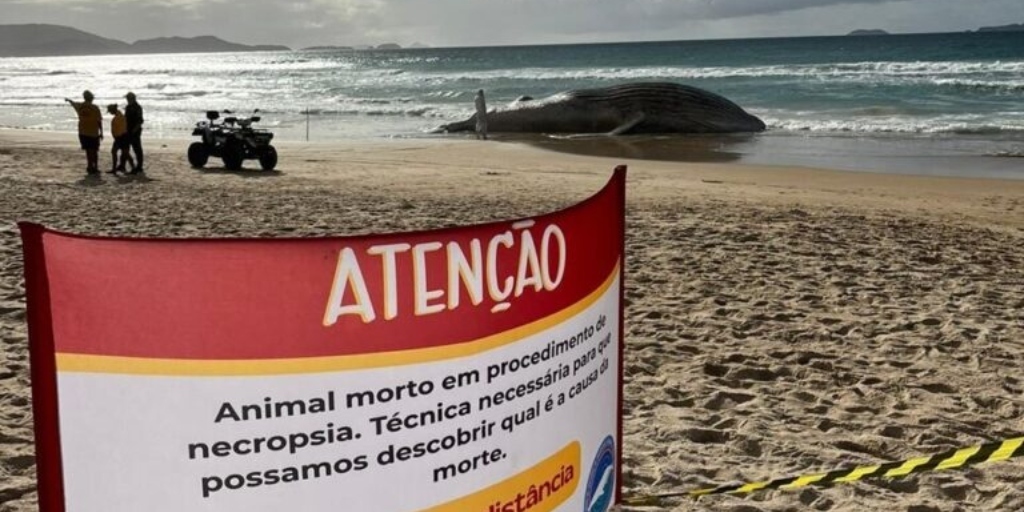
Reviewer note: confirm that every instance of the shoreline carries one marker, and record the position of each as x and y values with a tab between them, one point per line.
909	154
966	156
986	200
779	320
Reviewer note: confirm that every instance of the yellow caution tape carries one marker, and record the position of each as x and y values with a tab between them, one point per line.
952	459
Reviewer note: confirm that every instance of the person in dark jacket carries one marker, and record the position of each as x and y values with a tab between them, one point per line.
133	114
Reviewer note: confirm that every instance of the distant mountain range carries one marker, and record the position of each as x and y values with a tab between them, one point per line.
38	40
1013	27
868	32
198	44
41	40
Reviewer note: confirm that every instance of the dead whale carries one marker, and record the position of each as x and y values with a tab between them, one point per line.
637	108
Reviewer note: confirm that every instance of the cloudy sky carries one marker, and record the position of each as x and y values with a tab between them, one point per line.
299	23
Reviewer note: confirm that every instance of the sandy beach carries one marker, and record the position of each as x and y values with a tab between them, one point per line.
779	321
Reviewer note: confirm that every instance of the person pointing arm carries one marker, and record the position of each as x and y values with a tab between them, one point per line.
90	130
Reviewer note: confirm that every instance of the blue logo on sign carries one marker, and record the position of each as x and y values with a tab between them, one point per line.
601	482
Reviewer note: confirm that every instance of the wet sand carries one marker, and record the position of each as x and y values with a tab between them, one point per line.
779	320
904	154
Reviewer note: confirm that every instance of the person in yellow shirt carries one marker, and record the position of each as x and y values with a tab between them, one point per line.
119	131
90	130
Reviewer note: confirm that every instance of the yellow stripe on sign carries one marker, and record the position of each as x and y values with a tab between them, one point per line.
907	467
1009	446
554	481
856	474
958	459
84	363
804	481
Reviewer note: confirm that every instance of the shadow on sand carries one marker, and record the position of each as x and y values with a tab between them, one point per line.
90	180
241	173
672	148
134	178
96	180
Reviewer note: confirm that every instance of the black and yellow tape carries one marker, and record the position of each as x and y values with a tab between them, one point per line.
952	459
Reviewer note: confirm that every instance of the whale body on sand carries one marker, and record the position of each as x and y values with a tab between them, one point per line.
637	108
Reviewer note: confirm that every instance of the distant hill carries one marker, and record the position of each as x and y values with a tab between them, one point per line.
197	45
329	48
37	40
389	46
1013	27
868	32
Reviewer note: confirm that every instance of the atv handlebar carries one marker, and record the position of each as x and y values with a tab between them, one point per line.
229	122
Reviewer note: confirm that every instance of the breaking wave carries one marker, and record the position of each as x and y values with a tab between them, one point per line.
907	126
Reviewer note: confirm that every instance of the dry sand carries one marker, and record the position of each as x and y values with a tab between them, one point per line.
779	321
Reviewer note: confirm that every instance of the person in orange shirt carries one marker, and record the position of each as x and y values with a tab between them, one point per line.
90	130
119	131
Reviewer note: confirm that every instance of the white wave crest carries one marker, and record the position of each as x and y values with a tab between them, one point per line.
906	126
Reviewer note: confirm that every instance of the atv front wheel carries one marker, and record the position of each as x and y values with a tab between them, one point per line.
232	154
198	155
268	158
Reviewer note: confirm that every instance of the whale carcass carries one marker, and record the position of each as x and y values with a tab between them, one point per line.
637	108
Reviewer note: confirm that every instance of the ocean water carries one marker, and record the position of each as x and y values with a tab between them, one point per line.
902	97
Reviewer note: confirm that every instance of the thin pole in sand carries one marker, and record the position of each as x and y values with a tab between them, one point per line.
307	124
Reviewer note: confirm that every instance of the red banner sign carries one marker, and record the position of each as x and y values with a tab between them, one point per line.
472	368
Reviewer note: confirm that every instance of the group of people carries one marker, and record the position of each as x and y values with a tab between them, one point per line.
125	128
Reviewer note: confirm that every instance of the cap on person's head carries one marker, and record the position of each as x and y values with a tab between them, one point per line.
130	95
87	95
112	107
